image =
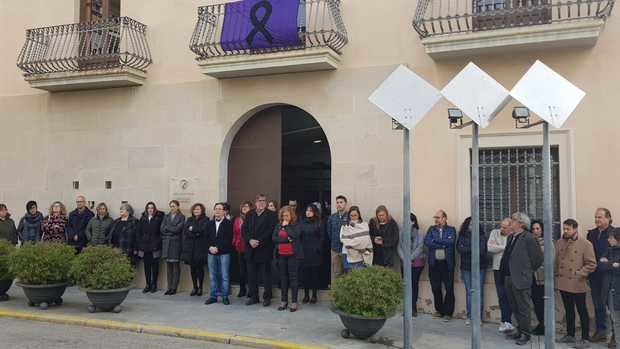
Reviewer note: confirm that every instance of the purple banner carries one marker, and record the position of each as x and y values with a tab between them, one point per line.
260	24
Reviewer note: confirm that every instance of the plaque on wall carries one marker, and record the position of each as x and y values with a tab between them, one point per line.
183	189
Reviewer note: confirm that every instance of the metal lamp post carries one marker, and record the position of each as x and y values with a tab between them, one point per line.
406	98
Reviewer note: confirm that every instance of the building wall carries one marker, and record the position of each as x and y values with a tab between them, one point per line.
181	124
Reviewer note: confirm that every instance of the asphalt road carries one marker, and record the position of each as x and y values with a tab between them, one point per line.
20	334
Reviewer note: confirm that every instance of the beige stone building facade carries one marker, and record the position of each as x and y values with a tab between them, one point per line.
131	132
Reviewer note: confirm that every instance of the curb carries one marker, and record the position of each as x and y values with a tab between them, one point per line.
169	331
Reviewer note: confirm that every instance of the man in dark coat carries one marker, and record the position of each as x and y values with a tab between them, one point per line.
78	220
599	278
257	232
220	237
521	258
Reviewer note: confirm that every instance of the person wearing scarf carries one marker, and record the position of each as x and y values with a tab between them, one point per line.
54	225
29	228
356	242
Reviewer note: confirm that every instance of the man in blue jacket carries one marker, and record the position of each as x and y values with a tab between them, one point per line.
334	223
440	239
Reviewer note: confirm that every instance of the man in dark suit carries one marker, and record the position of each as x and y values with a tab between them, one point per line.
521	258
257	231
219	235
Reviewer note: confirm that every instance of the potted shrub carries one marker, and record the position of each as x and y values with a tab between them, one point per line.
105	274
42	270
6	277
365	298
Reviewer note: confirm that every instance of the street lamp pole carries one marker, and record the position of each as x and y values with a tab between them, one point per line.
406	236
475	240
549	251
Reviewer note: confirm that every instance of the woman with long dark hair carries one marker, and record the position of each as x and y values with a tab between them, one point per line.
196	246
463	246
313	235
239	246
356	243
289	248
418	260
538	283
149	244
385	234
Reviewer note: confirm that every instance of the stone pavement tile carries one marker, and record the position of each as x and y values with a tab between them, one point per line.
310	325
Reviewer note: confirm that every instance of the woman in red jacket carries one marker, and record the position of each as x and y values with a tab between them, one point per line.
239	246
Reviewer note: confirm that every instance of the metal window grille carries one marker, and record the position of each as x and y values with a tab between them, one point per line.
511	181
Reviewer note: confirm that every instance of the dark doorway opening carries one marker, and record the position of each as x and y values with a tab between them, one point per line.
282	152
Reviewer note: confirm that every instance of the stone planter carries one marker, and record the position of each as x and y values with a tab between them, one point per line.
358	326
4	287
44	295
106	300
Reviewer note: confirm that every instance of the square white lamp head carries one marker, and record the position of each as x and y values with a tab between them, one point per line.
548	94
405	97
477	94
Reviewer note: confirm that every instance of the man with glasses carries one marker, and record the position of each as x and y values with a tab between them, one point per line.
76	227
257	230
440	240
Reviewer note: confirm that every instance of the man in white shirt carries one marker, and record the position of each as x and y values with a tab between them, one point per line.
496	245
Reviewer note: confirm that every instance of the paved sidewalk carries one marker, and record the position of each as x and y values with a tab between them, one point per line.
315	325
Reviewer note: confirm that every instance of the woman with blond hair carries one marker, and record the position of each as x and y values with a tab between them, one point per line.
385	235
99	226
288	239
54	225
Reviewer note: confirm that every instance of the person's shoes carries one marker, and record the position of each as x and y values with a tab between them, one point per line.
502	327
266	302
437	315
582	344
566	339
211	300
313	300
199	292
539	330
467	322
523	340
293	308
242	293
154	289
252	301
447	318
173	292
147	289
306	299
167	293
513	334
283	306
226	301
598	337
194	292
414	314
612	345
508	327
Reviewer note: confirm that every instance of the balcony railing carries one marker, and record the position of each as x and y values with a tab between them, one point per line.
111	43
440	17
320	25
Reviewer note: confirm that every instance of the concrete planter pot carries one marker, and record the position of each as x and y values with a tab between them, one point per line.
44	295
106	300
5	285
359	326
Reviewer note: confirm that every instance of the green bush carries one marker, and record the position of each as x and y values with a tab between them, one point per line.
6	249
42	263
102	268
369	292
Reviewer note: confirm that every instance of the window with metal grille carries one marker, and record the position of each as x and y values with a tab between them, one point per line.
511	181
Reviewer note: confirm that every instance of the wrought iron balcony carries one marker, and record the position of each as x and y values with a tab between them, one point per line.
320	29
437	20
115	48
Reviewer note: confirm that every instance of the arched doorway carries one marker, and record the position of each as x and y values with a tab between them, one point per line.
280	151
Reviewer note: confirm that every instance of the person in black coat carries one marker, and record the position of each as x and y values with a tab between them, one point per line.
196	246
220	236
385	235
463	246
122	233
149	244
256	232
313	238
76	227
289	247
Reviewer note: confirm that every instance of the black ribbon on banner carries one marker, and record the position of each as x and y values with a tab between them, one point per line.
260	24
